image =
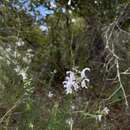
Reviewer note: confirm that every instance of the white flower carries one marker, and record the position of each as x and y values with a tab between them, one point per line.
70	121
31	125
73	20
17	69
99	118
43	28
50	94
20	43
29	50
8	49
95	2
73	83
84	83
106	111
69	2
69	90
52	5
70	82
55	71
70	11
73	107
85	73
23	74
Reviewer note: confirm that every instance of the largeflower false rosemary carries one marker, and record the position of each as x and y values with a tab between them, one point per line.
73	81
70	82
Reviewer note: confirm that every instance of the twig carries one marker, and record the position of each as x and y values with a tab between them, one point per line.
10	110
120	82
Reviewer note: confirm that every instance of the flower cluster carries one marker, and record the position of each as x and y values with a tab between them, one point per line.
73	82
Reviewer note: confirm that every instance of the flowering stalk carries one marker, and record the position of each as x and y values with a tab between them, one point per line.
73	82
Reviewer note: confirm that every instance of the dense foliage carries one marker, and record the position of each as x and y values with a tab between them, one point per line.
41	40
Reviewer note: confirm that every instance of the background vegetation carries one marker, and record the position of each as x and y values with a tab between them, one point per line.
42	39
